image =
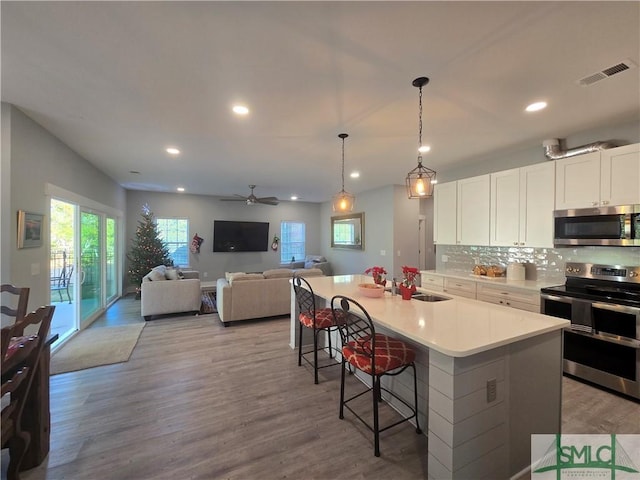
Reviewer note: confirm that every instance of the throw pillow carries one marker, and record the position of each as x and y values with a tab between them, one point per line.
241	277
155	275
309	272
229	275
278	273
171	274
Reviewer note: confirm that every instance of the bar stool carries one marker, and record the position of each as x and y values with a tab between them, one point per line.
375	354
317	319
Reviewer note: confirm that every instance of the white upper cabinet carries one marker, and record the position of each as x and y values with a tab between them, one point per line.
473	211
505	208
444	213
578	181
537	200
620	175
522	202
605	178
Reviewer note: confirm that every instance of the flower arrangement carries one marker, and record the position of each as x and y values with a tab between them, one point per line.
409	275
378	274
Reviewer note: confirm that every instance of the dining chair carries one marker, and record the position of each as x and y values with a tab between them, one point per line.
63	282
20	357
374	354
317	319
22	294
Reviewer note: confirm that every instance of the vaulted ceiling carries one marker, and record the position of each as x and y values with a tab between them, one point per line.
120	81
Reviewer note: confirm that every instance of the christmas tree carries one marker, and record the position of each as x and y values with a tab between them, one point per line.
148	250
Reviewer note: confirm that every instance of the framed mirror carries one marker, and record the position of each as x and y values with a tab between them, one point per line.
347	231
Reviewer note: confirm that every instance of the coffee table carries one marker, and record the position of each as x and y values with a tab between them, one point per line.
208	286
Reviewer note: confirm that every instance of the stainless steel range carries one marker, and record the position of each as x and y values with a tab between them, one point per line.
602	345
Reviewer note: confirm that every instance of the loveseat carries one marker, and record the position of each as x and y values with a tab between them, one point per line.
245	296
167	290
311	261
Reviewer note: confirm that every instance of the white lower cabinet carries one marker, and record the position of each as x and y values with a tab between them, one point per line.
509	297
431	282
459	287
514	297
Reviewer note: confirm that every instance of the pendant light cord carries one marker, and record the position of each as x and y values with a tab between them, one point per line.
343	163
420	126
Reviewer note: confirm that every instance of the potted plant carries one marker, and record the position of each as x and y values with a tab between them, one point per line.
378	274
408	285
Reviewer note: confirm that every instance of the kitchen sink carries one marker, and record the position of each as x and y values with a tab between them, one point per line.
428	297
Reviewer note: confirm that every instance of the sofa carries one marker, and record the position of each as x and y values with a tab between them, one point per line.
311	261
168	290
246	296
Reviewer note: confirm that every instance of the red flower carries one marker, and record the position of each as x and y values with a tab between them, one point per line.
409	274
376	271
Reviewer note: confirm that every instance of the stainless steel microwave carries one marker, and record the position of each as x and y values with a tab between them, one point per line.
616	226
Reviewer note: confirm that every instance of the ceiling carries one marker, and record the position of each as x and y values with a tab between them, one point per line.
118	82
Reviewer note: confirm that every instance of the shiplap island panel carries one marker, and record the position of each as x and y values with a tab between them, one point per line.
489	377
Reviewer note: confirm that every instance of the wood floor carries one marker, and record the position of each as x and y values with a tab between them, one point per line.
200	401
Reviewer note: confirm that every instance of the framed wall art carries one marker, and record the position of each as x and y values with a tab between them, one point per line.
30	229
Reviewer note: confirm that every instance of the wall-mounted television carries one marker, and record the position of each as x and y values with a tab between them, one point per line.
229	236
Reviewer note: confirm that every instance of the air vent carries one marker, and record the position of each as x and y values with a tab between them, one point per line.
606	73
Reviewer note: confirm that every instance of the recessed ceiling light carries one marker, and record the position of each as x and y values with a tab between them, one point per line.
536	106
173	150
240	109
424	149
294	197
355	175
180	189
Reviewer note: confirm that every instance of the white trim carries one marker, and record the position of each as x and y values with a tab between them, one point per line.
83	202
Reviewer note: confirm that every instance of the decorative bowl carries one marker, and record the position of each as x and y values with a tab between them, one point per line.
371	290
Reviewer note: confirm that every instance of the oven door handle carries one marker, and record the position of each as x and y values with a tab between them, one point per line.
608	337
546	296
616	308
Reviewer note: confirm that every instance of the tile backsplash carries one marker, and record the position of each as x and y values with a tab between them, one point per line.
543	264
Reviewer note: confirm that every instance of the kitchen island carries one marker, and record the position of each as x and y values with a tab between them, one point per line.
488	376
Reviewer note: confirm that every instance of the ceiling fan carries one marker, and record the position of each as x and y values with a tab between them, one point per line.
252	199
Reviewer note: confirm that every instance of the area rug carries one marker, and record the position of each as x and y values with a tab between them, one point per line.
96	346
208	302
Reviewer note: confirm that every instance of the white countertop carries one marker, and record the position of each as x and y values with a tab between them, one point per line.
524	284
458	327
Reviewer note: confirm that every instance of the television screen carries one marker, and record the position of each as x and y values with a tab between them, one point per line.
240	236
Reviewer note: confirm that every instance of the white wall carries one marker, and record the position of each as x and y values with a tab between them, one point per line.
34	157
202	210
620	133
391	225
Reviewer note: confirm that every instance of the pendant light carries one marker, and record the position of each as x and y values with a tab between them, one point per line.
343	201
420	180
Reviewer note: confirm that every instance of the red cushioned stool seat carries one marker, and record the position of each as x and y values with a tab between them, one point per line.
320	320
374	354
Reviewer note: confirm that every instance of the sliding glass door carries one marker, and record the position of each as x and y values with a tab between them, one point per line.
111	260
91	261
62	267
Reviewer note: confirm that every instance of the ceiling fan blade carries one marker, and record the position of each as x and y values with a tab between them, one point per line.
242	199
268	201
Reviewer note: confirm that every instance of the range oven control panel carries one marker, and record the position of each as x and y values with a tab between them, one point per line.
619	273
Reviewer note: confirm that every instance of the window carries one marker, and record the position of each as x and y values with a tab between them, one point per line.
292	242
175	233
